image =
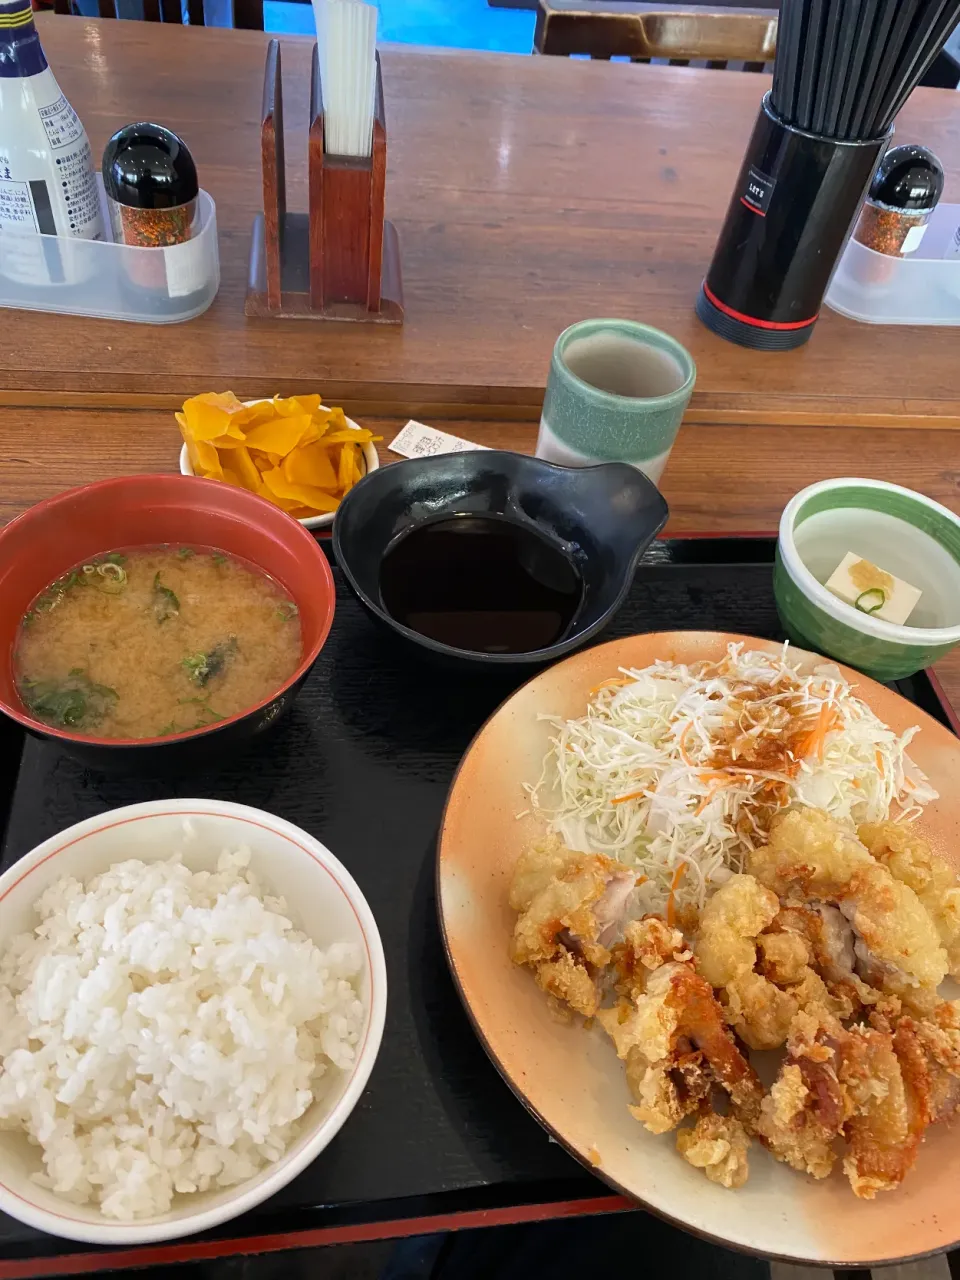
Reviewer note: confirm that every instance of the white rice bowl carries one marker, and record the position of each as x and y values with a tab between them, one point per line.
319	1000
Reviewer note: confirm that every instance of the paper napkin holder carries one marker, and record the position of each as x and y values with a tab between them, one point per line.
341	260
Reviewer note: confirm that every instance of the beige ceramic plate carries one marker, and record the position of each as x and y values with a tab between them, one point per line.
571	1079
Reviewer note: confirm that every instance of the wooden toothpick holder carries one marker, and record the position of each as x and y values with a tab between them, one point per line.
341	260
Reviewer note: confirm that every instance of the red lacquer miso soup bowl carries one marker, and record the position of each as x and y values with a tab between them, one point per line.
184	511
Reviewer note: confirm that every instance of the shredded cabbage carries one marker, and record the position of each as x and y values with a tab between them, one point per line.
677	770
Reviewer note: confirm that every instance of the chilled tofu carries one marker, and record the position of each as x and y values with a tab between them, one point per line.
879	593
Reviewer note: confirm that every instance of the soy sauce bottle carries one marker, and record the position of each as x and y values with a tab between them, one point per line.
47	178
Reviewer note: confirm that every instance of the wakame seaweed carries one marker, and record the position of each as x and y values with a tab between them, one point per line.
200	667
73	703
165	602
106	573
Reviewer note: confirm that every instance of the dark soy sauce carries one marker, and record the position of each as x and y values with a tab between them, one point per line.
483	583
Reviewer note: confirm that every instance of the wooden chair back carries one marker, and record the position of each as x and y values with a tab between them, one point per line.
717	34
247	14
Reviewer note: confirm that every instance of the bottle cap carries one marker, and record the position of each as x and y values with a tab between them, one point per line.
908	177
148	167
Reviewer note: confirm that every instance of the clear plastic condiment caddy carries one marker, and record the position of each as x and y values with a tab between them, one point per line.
112	281
923	288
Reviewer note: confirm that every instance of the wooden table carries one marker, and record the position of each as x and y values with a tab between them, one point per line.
528	192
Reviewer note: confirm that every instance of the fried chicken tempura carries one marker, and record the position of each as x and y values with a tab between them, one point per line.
666	1092
809	951
812	990
569	903
887	1121
726	953
718	1145
878	1087
675	1043
911	1078
647	944
759	1011
785	956
805	1110
910	860
812	856
825	930
929	1051
570	981
726	946
824	935
900	1081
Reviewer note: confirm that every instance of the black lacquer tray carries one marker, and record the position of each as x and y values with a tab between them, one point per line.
363	762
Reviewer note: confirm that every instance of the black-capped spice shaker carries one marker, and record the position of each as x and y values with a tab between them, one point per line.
902	196
151	185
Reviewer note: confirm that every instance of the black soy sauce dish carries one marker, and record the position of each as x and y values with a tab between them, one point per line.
516	560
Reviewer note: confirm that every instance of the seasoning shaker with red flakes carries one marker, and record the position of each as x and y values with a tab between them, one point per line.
151	186
903	194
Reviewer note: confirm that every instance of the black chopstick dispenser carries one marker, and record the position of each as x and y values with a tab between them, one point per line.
790	215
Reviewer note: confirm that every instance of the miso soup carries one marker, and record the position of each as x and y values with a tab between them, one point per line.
143	642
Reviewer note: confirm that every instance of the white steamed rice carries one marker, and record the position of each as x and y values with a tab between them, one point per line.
163	1031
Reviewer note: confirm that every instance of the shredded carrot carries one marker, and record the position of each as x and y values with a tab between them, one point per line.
607	684
683	737
640	880
715	787
678	875
831	721
879	759
816	740
820	732
623	799
705	801
856	783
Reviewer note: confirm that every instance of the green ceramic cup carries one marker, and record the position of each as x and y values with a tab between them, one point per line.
904	533
617	392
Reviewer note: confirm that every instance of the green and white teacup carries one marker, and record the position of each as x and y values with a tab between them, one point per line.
617	392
